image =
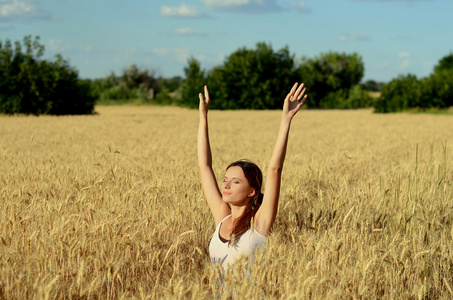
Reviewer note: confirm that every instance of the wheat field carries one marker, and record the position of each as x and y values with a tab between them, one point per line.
110	206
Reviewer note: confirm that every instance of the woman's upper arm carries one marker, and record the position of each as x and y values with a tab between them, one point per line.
218	207
265	216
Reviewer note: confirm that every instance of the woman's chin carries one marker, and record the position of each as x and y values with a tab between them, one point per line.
234	202
228	200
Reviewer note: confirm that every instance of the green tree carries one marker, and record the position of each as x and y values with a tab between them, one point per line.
31	85
399	94
252	78
194	83
407	91
437	89
330	74
133	84
446	63
442	82
372	86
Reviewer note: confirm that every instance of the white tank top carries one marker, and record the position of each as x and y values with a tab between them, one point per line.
227	255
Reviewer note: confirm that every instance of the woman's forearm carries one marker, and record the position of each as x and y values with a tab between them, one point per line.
279	153
203	146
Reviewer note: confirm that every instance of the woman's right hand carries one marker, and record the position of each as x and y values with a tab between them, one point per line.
204	102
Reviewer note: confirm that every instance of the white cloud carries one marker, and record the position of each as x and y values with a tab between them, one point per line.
221	58
386	2
20	9
161	51
355	36
429	64
300	6
405	64
243	6
184	11
181	54
404	54
124	56
187	31
226	3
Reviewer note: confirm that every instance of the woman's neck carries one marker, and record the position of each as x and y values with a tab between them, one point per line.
237	211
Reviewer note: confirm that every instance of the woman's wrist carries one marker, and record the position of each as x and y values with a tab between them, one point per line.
286	119
203	120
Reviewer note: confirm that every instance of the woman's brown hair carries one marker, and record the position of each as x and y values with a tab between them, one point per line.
254	177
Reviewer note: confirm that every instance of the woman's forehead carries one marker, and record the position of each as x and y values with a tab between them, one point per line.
235	171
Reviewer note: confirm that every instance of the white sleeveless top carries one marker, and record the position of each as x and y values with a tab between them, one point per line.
227	255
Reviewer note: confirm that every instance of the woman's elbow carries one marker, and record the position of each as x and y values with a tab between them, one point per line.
277	170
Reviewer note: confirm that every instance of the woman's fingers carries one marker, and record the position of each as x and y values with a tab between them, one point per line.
206	94
206	99
297	92
301	101
291	93
300	92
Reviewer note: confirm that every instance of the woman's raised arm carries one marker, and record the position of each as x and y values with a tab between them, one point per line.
219	208
265	216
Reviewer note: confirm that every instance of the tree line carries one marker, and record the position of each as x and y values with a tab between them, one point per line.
248	79
253	79
407	91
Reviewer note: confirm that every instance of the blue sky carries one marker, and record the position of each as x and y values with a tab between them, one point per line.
100	36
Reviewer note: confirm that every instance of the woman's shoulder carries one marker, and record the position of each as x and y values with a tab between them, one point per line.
223	220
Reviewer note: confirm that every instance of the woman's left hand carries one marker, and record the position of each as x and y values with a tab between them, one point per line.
294	100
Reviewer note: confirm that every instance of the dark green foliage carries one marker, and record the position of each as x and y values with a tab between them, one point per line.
133	84
358	97
441	83
254	79
260	78
406	92
172	84
194	83
164	96
30	85
330	75
399	94
372	86
249	79
355	97
217	88
445	64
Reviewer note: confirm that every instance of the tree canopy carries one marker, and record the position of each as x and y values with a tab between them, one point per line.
258	79
407	91
330	74
31	85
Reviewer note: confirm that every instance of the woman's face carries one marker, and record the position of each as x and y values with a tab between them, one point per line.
235	187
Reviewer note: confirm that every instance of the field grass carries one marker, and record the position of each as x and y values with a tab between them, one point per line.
110	206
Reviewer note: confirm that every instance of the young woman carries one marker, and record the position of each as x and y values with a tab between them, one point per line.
242	214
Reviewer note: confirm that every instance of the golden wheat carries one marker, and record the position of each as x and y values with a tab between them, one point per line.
110	206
